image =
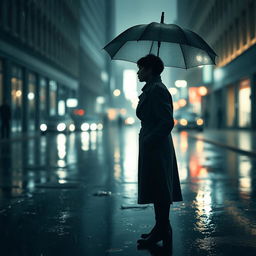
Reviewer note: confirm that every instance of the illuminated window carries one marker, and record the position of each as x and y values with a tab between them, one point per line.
53	97
42	97
244	110
31	101
130	83
61	107
230	106
16	94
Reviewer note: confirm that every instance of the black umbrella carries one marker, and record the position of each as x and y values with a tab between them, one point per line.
176	46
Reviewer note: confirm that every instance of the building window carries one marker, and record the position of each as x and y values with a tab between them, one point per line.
230	106
8	14
43	92
231	39
62	94
244	28
244	110
31	101
252	19
16	94
53	97
227	46
237	34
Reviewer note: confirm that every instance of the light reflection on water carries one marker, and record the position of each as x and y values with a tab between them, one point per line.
61	145
203	208
85	141
93	140
244	170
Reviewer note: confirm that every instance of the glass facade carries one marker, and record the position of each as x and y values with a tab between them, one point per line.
231	106
244	104
62	94
31	101
42	97
16	96
53	97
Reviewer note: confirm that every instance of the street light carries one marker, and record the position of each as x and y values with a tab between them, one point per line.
173	90
116	92
202	90
181	83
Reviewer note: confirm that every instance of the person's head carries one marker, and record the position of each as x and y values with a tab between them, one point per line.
149	66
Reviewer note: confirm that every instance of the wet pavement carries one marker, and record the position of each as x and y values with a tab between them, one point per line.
77	195
242	141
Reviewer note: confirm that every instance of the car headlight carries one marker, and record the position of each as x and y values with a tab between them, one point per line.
129	120
200	121
85	127
72	127
93	126
61	127
100	126
43	127
183	122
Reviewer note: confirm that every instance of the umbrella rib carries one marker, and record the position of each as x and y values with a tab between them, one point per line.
118	49
146	27
183	56
151	46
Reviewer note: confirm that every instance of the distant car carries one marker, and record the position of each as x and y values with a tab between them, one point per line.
188	120
88	123
56	123
129	121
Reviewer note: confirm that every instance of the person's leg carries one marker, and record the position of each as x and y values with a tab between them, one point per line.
2	130
162	229
7	130
162	211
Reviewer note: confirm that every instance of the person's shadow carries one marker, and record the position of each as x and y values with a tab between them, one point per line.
156	250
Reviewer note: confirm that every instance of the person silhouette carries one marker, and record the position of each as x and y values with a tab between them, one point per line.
5	117
158	178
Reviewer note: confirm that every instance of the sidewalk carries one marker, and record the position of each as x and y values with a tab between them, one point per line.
20	137
242	141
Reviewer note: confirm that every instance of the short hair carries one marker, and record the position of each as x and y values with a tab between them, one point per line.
153	62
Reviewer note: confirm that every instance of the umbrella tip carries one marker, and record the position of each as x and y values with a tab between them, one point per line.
162	17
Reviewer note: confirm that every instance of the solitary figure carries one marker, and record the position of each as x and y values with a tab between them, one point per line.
158	178
5	117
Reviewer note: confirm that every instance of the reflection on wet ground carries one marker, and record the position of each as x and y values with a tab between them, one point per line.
77	195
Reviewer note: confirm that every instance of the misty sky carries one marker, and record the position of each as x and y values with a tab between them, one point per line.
133	12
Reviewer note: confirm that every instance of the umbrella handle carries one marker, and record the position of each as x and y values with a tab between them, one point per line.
162	17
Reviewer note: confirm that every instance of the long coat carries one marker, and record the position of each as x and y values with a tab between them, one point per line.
158	178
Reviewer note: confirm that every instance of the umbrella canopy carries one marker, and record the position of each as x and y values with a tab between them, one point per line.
180	48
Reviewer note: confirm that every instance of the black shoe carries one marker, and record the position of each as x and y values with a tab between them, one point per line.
160	233
148	234
167	238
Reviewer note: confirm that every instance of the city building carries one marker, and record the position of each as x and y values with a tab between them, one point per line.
39	47
230	29
51	51
96	30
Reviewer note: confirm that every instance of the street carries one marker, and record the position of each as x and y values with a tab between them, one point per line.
77	195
